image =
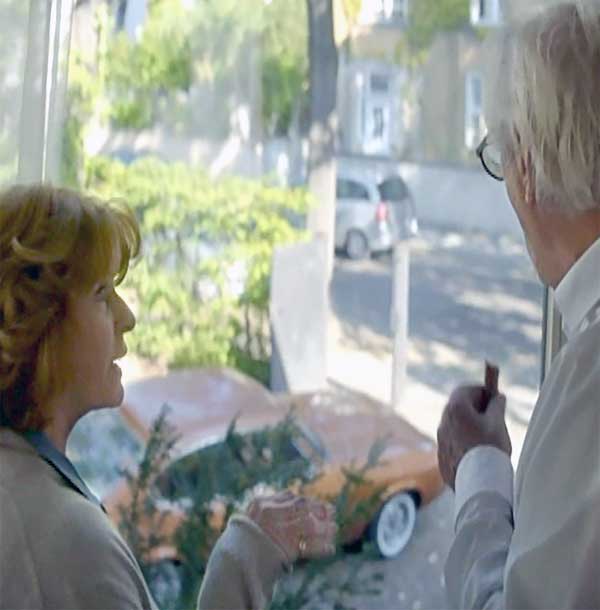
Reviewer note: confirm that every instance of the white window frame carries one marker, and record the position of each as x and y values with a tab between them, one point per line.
383	11
492	14
44	90
473	110
400	10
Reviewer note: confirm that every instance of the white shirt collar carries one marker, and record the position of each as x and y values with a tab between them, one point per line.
579	290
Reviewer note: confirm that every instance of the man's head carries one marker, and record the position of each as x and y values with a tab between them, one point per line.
543	114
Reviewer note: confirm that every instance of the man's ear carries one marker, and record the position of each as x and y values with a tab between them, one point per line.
527	176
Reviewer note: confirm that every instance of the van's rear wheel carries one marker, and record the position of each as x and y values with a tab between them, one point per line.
357	245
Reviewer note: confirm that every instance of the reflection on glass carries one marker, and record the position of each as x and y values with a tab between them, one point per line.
200	115
101	446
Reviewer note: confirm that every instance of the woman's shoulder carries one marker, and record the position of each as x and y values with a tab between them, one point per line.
77	555
44	500
24	474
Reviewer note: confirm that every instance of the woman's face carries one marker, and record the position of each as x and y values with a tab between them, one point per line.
94	327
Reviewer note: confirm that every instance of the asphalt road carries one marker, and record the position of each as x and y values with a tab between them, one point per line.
472	297
413	581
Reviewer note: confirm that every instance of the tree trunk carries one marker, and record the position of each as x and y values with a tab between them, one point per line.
323	123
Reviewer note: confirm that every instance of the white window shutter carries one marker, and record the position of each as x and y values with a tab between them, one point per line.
44	76
486	12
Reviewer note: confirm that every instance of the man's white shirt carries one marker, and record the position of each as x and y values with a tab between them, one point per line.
536	544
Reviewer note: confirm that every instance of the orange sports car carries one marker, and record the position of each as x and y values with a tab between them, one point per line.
335	432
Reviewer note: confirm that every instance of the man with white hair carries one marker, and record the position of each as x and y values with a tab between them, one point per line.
536	543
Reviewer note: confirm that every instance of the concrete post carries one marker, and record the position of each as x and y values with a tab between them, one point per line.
399	319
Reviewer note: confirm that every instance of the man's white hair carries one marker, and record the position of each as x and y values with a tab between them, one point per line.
545	99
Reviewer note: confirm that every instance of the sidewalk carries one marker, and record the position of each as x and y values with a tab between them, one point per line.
370	372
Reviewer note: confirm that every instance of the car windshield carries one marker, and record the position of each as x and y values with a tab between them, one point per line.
268	456
100	446
351	189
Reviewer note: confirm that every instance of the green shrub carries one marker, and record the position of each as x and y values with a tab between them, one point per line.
201	232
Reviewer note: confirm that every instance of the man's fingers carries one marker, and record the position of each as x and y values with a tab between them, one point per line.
492	372
474	397
497	405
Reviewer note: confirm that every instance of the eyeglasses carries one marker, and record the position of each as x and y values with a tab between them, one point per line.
491	159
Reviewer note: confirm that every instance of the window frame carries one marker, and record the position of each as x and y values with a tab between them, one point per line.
350	183
42	115
492	14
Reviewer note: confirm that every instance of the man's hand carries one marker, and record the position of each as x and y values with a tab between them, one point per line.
471	418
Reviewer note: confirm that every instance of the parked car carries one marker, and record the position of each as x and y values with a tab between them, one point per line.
372	214
333	434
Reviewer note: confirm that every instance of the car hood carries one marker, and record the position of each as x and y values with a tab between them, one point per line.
348	430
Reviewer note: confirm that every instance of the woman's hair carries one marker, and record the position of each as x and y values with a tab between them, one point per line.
545	97
53	242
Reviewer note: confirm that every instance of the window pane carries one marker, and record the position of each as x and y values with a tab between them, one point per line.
205	116
13	49
393	189
379	83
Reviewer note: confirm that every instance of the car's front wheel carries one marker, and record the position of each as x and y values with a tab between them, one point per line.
393	526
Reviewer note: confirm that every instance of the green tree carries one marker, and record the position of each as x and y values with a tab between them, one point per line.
284	63
206	43
427	18
159	62
196	231
85	95
352	9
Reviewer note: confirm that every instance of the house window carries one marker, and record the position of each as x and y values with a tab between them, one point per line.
400	9
380	83
376	126
349	189
485	12
385	10
474	121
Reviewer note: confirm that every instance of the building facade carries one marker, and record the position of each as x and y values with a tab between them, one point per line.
434	113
